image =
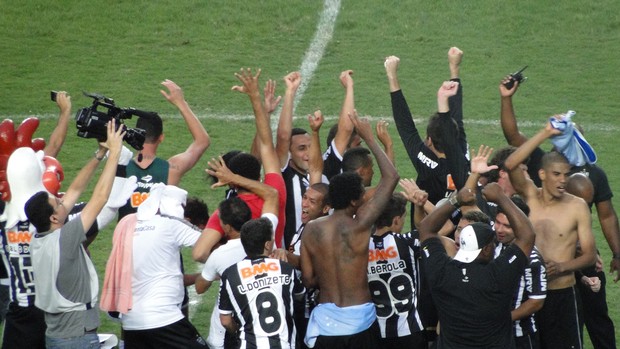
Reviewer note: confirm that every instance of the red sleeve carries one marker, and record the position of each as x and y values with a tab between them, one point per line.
214	222
276	181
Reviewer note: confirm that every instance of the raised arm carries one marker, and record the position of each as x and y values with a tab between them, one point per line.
479	165
183	162
508	119
103	187
285	124
519	181
58	136
369	211
225	177
345	126
267	151
315	162
384	137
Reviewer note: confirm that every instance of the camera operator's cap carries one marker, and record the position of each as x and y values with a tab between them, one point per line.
473	238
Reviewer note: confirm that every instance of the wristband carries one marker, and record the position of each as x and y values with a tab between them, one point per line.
98	158
454	201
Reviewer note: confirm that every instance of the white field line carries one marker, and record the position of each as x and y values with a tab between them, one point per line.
312	57
599	127
322	36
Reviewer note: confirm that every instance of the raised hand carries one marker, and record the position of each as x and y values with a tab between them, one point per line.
271	101
382	133
362	126
448	89
63	100
292	80
316	120
249	81
175	94
217	168
391	65
492	192
455	55
346	78
479	161
412	192
505	91
114	142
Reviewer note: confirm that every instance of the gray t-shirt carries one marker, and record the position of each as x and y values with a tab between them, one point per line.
73	283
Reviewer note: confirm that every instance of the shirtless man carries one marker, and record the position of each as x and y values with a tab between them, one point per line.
560	221
334	257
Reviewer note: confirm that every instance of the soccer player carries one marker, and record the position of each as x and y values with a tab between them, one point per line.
393	278
555	238
259	291
334	256
473	292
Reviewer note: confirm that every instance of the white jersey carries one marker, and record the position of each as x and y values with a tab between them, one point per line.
157	281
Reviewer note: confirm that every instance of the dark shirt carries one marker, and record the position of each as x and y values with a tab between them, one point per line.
474	300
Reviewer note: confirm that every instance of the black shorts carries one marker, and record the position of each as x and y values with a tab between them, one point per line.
558	320
367	339
24	327
181	334
414	340
528	341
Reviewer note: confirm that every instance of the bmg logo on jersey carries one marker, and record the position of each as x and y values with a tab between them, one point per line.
256	269
382	255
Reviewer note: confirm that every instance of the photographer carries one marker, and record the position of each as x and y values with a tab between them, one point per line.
146	162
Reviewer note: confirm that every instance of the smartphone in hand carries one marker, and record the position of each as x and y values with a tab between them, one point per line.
53	95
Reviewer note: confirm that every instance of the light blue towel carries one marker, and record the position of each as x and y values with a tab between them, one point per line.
571	142
327	319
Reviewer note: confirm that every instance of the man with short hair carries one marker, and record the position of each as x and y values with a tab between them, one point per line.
233	212
556	238
334	256
66	285
473	292
248	166
393	279
147	166
530	295
259	290
359	160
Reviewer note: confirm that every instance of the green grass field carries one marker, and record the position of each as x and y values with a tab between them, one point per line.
125	49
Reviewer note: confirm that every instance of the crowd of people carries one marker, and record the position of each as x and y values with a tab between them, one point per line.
308	253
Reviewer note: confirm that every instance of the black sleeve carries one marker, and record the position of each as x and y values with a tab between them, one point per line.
456	112
602	190
435	258
409	134
455	158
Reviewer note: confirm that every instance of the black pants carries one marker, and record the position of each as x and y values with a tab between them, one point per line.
24	327
595	314
368	339
181	334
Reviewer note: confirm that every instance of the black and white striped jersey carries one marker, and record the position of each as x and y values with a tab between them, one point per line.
393	280
260	292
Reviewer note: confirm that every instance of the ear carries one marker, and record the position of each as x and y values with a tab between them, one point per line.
396	220
542	174
161	138
326	209
269	247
